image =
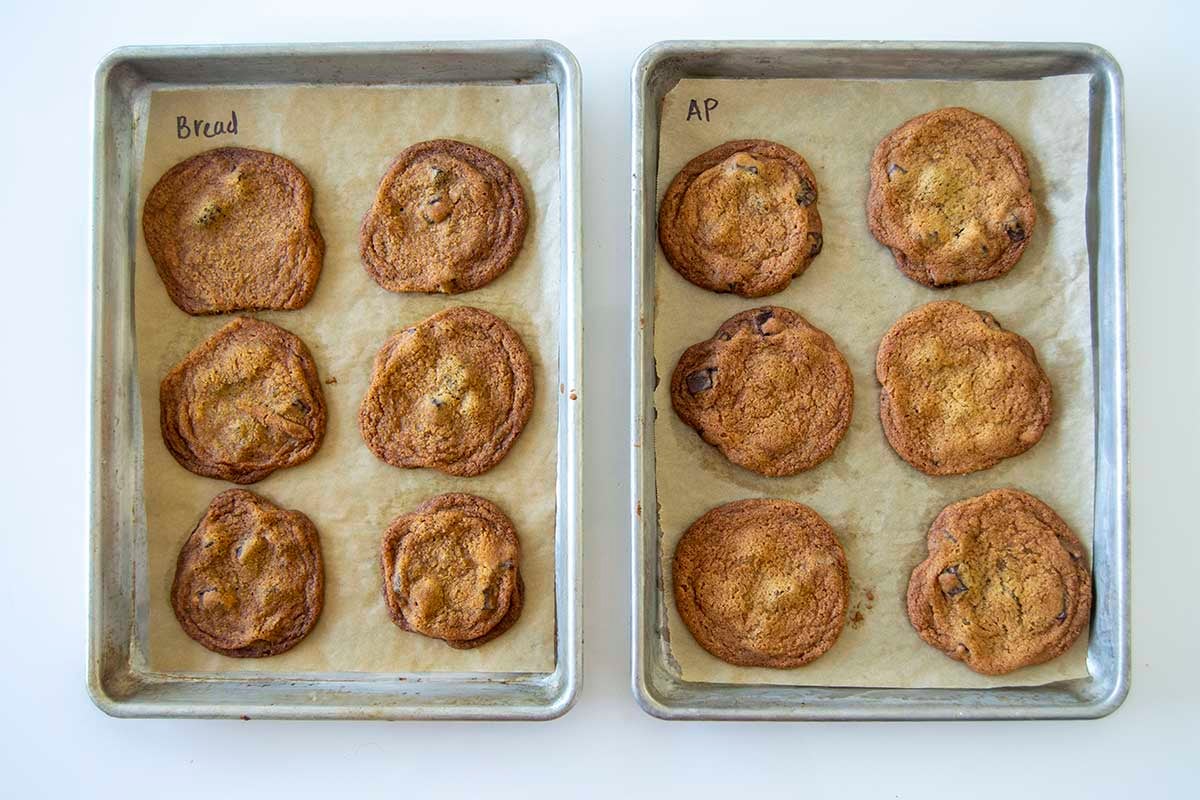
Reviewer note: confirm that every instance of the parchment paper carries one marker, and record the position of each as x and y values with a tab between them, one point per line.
880	507
344	138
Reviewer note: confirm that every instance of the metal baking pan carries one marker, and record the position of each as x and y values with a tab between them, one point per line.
656	686
117	606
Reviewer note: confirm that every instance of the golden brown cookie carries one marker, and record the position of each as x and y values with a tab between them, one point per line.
950	196
742	218
1006	583
232	229
451	570
249	581
960	393
448	217
762	583
452	392
244	403
769	390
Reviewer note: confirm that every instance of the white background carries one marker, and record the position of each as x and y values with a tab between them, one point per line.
53	742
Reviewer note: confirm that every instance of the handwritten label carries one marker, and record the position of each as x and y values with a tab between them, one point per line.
205	129
699	112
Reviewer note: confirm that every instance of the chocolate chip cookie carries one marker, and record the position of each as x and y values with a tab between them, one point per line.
762	583
233	230
1006	583
451	570
244	403
960	393
249	581
742	218
950	196
452	392
769	390
448	217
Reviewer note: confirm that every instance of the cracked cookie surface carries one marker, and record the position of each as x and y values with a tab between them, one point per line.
232	229
452	393
448	217
451	570
249	581
769	390
1006	583
762	583
742	218
960	393
950	195
246	402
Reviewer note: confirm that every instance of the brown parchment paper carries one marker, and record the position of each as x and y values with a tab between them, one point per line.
880	507
344	138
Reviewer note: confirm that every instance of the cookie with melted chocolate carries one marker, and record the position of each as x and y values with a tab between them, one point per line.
1005	585
742	218
448	217
772	392
452	393
950	195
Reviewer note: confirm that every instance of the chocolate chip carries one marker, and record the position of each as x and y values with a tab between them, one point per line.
700	380
807	194
1062	616
437	403
815	243
437	198
209	213
766	324
300	404
753	170
1015	230
892	168
950	583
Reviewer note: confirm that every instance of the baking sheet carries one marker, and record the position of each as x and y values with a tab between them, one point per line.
880	507
343	139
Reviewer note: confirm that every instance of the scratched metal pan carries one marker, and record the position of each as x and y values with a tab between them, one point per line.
117	681
656	685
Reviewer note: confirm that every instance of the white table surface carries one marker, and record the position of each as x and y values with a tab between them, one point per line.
53	742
